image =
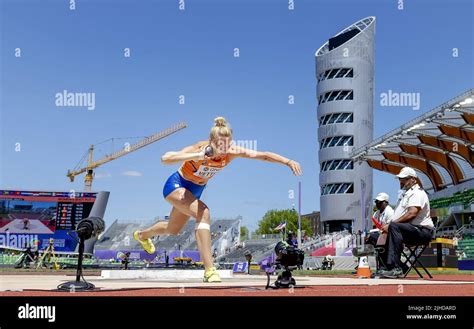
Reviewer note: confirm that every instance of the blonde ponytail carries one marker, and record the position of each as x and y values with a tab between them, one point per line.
221	129
220	122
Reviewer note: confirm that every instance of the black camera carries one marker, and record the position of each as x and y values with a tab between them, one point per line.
288	258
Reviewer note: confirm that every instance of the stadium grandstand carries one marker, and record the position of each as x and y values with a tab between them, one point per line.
225	237
259	246
438	144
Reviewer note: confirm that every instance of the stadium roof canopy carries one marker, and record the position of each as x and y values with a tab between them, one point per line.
437	144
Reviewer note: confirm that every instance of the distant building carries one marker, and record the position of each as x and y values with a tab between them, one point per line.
315	220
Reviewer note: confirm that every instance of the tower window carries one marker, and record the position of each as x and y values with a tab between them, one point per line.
337	73
336	118
337	188
336	95
337	141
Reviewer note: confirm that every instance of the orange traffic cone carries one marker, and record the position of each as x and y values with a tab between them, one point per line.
363	270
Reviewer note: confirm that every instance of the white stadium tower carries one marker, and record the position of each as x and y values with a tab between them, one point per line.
345	95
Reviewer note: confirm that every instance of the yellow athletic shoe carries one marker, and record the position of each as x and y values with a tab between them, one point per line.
211	275
146	244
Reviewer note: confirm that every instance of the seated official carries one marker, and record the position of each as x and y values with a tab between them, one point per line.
383	215
411	225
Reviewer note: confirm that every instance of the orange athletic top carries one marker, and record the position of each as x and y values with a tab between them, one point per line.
199	172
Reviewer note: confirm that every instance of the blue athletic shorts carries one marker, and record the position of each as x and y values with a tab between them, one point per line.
176	181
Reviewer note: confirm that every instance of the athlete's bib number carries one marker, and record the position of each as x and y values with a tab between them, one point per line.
206	172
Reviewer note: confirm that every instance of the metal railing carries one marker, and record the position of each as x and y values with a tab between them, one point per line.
265	236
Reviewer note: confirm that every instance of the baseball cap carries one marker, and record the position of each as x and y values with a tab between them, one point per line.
407	172
382	197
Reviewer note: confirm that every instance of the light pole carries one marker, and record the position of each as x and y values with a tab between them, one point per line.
299	215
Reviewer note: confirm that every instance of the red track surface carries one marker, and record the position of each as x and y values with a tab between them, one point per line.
369	290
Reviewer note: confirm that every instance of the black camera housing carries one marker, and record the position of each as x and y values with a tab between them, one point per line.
288	256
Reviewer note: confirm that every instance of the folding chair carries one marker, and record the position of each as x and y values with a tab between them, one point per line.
412	257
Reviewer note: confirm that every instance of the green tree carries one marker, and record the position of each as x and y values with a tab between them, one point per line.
244	233
273	218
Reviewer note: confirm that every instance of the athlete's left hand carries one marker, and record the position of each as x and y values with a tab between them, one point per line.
295	168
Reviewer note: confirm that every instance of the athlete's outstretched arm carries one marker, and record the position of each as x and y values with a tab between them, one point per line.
192	152
267	156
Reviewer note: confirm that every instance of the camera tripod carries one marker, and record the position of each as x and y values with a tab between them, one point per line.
284	278
24	260
48	252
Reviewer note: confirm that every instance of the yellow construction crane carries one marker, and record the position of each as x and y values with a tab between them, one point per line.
91	164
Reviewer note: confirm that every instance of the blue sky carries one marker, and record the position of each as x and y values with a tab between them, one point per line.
190	53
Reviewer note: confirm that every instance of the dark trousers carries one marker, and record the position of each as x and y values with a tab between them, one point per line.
372	238
382	252
404	233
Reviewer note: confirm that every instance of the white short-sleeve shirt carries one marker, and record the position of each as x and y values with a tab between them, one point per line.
386	216
415	197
